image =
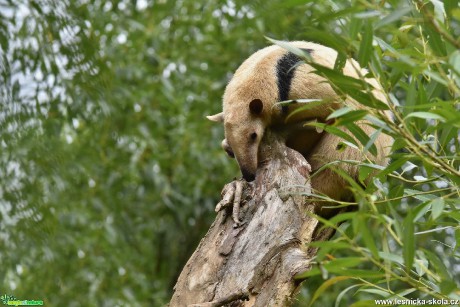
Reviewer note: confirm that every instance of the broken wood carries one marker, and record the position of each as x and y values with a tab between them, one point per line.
253	263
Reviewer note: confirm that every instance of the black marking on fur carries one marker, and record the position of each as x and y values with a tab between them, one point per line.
285	69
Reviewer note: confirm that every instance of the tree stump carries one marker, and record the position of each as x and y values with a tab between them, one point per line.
254	263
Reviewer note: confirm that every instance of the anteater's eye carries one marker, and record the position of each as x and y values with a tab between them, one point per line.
253	136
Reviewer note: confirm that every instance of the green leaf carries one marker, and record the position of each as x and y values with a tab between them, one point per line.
327	38
347	177
421	210
437	207
421	264
367	14
355	88
340	79
377	122
36	6
355	273
346	262
339	112
402	293
435	41
327	246
336	14
330	244
426	115
375	291
439	11
339	218
438	266
340	61
364	173
411	98
457	239
291	48
361	136
355	27
372	139
393	166
435	76
341	146
348	117
305	104
334	130
409	241
342	294
448	286
367	99
454	61
367	235
394	16
365	49
391	257
325	286
315	271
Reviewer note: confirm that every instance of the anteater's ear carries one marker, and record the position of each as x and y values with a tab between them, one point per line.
219	117
256	106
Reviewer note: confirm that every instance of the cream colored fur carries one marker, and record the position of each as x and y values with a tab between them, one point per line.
256	79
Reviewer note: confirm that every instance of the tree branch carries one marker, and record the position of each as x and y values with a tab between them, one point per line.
258	259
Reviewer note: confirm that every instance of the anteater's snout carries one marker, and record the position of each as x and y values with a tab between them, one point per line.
248	176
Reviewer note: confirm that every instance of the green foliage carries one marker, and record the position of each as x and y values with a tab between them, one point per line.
402	242
109	171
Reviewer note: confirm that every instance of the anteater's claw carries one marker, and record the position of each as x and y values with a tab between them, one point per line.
232	194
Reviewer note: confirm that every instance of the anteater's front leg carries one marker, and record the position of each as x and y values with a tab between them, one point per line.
232	196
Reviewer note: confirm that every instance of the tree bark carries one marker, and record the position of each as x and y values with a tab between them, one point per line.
254	263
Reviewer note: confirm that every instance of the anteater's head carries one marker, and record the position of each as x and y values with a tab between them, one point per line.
243	132
250	103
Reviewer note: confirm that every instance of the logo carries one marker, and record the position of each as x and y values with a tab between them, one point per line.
10	300
5	298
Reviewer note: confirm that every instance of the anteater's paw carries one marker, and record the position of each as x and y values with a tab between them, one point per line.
233	196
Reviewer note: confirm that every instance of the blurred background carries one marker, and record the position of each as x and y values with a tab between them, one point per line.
109	170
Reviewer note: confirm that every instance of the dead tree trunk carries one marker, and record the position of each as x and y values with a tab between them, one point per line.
254	264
